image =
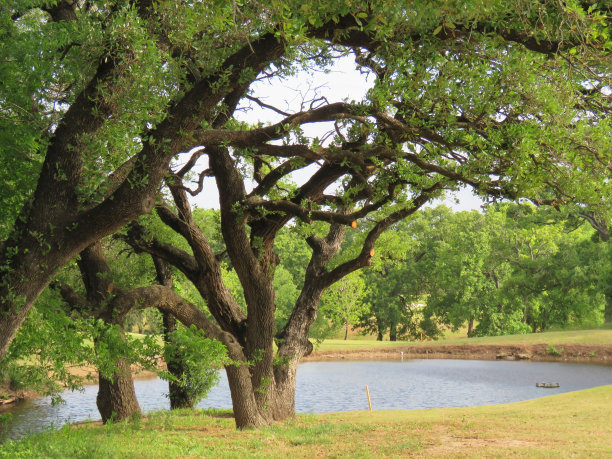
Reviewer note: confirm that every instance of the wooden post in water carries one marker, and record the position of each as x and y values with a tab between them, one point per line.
369	401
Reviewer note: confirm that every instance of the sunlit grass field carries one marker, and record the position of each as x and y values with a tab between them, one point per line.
575	424
593	336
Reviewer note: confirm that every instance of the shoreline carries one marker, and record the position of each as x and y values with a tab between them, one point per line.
579	353
14	397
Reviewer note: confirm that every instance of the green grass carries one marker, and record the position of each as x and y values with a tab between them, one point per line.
593	336
351	345
575	424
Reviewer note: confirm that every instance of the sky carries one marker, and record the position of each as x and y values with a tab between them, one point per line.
340	83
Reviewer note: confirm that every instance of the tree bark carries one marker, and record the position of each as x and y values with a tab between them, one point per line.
470	330
247	412
393	332
285	376
116	398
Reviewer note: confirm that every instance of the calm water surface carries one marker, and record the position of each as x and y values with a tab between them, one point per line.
340	386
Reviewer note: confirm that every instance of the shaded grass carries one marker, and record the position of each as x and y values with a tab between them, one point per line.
594	336
575	424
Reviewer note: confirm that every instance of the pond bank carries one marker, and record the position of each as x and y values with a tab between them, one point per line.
582	353
9	397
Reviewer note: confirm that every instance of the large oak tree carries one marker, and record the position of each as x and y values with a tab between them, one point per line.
509	97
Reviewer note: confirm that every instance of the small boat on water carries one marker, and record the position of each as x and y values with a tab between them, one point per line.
547	385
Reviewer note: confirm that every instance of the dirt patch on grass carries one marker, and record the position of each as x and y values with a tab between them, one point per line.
455	446
78	425
586	353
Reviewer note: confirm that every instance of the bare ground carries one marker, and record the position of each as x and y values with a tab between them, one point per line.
585	353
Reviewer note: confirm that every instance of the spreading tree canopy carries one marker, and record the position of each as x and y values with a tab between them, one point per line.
509	97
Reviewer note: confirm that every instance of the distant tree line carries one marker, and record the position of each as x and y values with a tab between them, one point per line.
513	268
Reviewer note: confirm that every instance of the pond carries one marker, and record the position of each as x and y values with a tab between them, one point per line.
340	386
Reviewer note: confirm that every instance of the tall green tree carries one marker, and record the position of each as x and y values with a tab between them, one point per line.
512	270
342	303
555	268
399	278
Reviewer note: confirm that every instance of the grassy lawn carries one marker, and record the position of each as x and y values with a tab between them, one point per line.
594	336
575	424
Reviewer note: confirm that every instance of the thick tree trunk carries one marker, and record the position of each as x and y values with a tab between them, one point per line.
608	310
393	332
379	337
116	398
470	330
247	412
285	376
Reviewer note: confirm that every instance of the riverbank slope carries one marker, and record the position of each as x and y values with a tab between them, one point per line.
584	353
585	346
574	424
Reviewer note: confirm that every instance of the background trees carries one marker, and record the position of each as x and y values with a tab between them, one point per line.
513	269
342	303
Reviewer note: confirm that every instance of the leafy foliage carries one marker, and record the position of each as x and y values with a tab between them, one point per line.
509	97
513	269
201	360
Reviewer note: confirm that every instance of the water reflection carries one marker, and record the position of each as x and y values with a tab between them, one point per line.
340	386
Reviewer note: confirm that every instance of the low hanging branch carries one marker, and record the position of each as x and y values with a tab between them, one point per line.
367	252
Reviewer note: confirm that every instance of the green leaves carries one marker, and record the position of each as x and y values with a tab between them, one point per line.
515	269
201	360
342	303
